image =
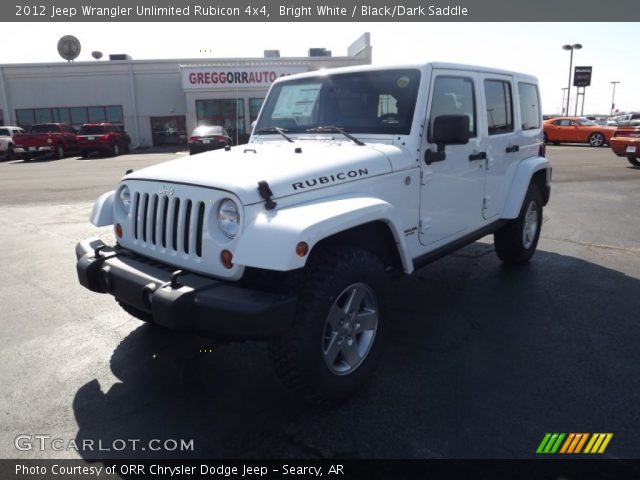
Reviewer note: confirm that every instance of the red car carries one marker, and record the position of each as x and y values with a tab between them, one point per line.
105	138
576	130
208	137
625	142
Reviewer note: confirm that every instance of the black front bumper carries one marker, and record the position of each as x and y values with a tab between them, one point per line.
192	302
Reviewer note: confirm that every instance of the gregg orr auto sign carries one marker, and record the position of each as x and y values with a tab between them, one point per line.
211	78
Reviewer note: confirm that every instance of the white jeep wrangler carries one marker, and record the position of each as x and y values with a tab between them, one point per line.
350	175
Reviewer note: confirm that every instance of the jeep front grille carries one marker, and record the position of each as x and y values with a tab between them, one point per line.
171	223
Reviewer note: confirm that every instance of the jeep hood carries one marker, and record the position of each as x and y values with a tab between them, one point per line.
288	168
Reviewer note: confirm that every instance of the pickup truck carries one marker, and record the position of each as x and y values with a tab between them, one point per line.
45	138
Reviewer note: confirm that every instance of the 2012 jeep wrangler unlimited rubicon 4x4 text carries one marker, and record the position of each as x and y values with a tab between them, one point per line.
350	174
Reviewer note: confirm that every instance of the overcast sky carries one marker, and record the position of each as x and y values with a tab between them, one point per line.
535	48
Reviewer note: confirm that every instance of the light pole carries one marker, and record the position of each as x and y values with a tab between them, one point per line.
575	46
564	92
613	96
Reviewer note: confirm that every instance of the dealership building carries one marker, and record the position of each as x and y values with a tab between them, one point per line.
158	102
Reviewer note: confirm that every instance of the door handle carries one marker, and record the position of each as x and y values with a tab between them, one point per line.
513	148
478	156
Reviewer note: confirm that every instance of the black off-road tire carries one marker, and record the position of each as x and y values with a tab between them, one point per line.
10	153
135	312
84	154
115	150
513	245
634	161
299	356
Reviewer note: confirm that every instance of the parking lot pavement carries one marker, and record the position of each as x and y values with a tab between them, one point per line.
483	360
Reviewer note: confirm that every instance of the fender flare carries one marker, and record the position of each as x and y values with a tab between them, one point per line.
102	211
521	180
269	240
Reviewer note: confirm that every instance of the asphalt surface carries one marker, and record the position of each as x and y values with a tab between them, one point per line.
484	359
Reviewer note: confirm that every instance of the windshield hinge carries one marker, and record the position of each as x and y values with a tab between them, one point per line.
266	193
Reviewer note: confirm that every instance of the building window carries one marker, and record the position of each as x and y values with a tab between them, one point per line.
74	116
499	106
168	130
255	104
226	113
1	117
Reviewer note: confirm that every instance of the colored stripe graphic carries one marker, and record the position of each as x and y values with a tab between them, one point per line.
550	443
574	443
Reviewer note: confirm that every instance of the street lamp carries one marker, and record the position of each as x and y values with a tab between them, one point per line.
575	46
613	96
564	92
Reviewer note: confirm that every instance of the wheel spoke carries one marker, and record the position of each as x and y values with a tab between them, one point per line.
352	305
366	320
333	349
350	353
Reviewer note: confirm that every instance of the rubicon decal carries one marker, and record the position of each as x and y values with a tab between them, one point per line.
335	177
574	443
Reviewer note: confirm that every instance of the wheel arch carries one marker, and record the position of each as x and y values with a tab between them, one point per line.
269	241
536	170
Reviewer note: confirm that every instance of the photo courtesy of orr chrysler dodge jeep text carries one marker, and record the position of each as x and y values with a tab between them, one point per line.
350	175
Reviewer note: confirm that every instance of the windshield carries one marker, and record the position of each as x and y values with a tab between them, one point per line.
91	129
361	102
4	132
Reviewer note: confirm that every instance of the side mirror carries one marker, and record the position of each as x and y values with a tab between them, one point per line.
447	130
450	130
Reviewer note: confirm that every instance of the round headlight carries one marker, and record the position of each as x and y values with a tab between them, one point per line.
124	197
229	217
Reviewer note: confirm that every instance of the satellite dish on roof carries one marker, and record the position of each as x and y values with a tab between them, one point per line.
97	55
69	47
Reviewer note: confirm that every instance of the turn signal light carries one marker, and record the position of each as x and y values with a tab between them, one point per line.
226	257
302	248
119	230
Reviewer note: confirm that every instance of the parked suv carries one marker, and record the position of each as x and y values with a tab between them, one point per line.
6	140
105	138
350	175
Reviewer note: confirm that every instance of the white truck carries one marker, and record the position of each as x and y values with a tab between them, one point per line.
350	176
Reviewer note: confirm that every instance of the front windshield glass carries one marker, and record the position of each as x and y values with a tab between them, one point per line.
361	102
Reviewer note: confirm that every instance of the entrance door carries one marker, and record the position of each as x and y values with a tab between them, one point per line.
168	130
452	190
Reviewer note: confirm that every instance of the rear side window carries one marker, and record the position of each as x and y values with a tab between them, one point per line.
529	106
454	96
499	106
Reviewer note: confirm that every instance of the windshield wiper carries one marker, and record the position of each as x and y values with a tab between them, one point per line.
276	130
334	129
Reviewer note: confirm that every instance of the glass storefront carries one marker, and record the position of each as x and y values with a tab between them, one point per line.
228	113
168	130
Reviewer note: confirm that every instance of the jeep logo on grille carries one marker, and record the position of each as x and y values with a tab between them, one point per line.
165	191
